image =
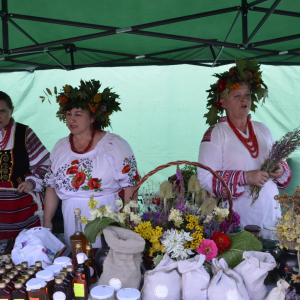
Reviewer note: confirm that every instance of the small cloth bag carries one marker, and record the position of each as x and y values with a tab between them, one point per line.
226	283
254	270
36	244
164	282
278	293
124	258
195	278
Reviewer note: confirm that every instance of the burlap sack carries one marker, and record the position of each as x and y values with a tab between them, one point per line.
164	282
254	270
278	293
226	283
124	258
195	278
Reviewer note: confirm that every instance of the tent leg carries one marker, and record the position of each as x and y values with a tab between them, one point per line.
4	19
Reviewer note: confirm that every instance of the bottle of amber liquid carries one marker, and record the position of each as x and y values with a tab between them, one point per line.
59	286
77	250
68	283
81	267
80	287
4	291
31	273
25	266
47	275
20	270
2	273
8	267
33	267
9	285
38	265
19	292
90	263
78	236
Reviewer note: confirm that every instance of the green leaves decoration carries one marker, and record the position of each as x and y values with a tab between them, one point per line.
92	228
243	241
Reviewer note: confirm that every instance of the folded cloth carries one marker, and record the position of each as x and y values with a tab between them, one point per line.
36	244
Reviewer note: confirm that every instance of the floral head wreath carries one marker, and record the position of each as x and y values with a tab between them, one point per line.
244	71
87	96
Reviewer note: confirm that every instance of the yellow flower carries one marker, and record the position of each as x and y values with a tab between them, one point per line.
295	278
97	98
67	89
83	220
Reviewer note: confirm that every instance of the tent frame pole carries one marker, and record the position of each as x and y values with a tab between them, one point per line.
262	22
35	42
4	19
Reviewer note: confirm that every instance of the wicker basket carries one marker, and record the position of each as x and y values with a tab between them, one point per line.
180	162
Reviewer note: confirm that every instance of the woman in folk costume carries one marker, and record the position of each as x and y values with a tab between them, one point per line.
89	161
23	163
236	147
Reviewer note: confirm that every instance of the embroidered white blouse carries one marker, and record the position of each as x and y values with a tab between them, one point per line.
109	167
222	151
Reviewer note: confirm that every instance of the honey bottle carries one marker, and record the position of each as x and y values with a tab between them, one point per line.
19	292
90	263
79	287
4	291
78	235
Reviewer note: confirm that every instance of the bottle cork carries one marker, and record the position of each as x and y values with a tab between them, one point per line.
77	212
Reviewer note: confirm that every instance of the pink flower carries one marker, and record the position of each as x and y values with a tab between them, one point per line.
208	248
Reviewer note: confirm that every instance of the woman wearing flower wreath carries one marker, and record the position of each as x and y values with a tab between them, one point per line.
90	161
236	147
23	163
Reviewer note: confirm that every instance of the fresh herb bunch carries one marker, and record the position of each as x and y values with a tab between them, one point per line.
279	151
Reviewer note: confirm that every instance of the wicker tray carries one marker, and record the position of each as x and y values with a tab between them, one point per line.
180	162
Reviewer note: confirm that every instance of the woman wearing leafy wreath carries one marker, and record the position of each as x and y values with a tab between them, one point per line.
90	161
236	147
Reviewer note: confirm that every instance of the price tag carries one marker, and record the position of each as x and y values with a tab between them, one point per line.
79	289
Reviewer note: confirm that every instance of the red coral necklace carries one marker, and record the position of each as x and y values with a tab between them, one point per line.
250	142
88	146
4	142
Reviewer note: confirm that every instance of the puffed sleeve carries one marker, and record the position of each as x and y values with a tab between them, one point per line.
123	162
38	160
211	155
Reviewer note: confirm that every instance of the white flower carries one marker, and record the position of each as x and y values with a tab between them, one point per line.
95	213
176	216
135	218
208	218
221	213
108	211
127	207
121	217
174	244
119	203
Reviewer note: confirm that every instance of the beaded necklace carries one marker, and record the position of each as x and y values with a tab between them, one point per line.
250	142
84	150
4	142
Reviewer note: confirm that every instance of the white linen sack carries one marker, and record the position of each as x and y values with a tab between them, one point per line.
36	244
195	278
123	262
226	283
278	293
254	270
164	282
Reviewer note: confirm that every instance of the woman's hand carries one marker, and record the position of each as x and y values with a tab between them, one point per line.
277	173
48	225
257	177
25	187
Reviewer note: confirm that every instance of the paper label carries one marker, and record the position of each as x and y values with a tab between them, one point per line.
91	272
79	289
232	294
115	283
204	294
161	291
30	298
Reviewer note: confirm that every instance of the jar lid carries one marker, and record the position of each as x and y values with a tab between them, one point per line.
54	268
70	269
38	263
24	264
115	283
18	284
102	292
59	296
252	228
81	258
128	294
35	284
47	275
64	261
30	271
59	280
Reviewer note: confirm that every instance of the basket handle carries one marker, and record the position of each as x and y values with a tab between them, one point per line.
180	162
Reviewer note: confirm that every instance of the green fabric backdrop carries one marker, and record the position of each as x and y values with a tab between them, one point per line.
162	108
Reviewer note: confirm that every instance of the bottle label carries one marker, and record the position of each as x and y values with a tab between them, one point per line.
91	272
30	298
79	289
